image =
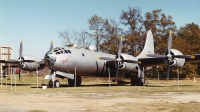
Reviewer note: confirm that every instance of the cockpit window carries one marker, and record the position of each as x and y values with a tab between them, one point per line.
61	50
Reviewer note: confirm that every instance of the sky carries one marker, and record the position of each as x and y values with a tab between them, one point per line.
37	22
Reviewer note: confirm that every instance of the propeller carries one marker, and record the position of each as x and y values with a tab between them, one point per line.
118	59
169	54
20	60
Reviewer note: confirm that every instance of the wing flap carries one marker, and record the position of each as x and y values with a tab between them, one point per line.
145	62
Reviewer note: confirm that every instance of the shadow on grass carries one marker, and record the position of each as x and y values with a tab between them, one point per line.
154	86
182	85
16	84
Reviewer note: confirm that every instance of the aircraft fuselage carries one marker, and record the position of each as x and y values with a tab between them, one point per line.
86	62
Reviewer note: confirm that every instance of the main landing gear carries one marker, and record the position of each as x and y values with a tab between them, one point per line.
71	82
56	84
135	81
76	82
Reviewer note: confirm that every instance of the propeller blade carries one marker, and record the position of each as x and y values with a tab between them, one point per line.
184	56
19	74
168	71
29	61
130	61
156	55
120	47
106	58
20	49
116	75
11	61
143	76
169	42
2	61
51	45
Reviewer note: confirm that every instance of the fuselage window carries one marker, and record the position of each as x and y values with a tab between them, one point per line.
69	51
83	55
66	51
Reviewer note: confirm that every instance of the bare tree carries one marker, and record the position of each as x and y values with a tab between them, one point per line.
69	38
96	24
82	39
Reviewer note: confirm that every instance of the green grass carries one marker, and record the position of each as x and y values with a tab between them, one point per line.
90	85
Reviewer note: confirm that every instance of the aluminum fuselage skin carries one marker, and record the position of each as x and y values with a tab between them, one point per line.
86	62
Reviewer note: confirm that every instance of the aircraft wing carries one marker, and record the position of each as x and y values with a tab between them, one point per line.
41	62
9	61
145	62
156	61
195	60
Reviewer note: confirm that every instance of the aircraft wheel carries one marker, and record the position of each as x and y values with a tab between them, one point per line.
140	83
72	81
51	83
56	84
78	80
134	80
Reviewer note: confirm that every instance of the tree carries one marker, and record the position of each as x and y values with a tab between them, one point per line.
160	24
96	24
84	40
112	32
71	38
191	34
134	37
68	37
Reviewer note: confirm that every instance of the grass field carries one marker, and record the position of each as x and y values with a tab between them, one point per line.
96	95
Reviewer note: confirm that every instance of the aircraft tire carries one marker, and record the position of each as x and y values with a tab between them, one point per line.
141	82
56	84
72	81
135	81
51	83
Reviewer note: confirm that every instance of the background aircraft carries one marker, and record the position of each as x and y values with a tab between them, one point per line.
27	63
74	63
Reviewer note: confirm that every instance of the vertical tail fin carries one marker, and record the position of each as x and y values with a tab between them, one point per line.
148	47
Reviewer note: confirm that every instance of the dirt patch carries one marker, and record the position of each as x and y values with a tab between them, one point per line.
120	101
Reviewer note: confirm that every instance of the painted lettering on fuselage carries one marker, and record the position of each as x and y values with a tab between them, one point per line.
64	61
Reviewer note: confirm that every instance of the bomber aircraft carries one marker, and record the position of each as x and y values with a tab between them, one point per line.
62	61
74	63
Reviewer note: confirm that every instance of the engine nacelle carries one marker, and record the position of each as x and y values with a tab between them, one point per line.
30	66
128	67
176	62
